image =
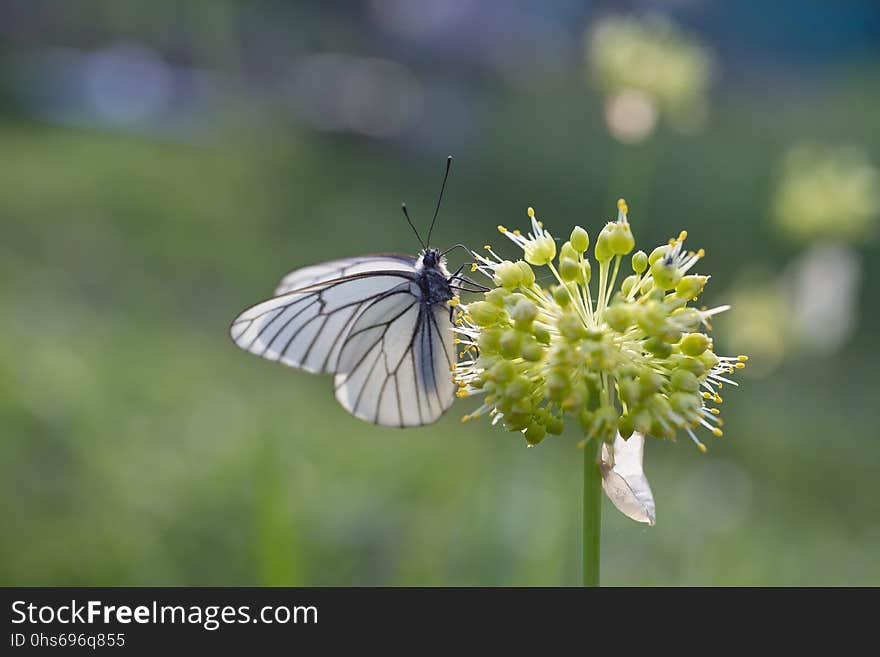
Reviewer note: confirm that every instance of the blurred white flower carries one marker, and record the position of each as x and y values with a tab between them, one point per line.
822	286
631	115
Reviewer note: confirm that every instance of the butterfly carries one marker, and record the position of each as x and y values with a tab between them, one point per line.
380	324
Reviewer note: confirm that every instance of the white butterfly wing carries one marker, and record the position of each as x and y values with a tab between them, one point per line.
396	365
364	320
307	328
300	278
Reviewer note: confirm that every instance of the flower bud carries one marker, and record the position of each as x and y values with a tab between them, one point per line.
528	276
517	390
571	327
658	347
639	262
508	275
502	372
685	404
540	251
622	240
666	276
628	390
554	425
489	340
567	251
658	253
628	284
535	434
569	270
524	313
483	313
603	250
625	426
557	386
619	317
649	381
541	333
690	287
580	240
694	344
532	351
709	359
511	343
650	317
496	296
694	365
562	296
684	380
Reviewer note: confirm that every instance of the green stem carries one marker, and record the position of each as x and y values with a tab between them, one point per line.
592	511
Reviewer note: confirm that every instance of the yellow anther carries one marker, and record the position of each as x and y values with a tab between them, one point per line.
671	242
461	393
531	212
717	432
540	224
742	359
488	247
517	232
682	236
707	395
622	206
714	411
465	419
454	302
701	253
718	399
474	267
501	229
702	448
456	341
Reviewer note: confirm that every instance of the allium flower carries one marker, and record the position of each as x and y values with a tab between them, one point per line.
621	363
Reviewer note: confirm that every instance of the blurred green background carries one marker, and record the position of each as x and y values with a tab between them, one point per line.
164	164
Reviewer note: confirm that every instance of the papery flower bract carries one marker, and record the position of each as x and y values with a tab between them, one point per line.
629	361
624	480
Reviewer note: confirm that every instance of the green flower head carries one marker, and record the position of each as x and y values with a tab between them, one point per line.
617	361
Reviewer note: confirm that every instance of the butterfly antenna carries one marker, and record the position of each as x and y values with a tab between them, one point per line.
409	221
440	198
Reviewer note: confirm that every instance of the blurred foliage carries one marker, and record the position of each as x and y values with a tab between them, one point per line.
140	447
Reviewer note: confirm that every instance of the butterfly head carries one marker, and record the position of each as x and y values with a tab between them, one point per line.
431	259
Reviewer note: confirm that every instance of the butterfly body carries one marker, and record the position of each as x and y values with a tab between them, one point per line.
433	277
